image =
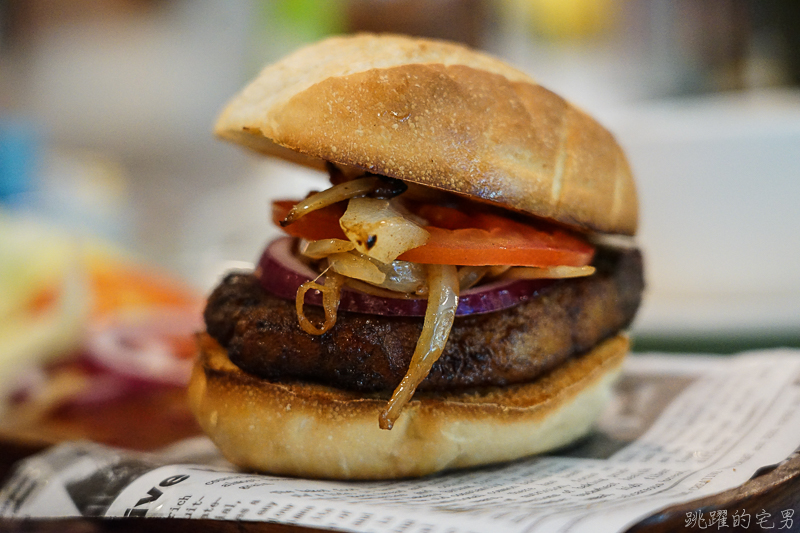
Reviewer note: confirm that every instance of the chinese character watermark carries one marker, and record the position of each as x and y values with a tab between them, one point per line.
739	519
786	519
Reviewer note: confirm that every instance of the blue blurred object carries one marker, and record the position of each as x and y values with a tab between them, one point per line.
19	157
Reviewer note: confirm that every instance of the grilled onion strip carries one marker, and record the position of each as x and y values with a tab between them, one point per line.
356	266
331	295
379	230
403	276
372	290
324	247
337	193
553	272
469	276
439	316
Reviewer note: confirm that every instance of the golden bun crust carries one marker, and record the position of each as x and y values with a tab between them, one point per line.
440	115
307	430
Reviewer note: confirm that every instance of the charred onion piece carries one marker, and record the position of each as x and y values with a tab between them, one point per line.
335	174
439	316
337	193
331	295
388	188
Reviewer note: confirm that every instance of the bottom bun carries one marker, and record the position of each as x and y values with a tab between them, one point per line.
308	430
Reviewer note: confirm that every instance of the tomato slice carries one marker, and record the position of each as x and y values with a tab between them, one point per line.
461	239
320	224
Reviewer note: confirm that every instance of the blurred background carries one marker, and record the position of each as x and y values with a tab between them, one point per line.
106	108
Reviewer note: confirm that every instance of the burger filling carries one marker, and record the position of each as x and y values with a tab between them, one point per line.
371	354
372	235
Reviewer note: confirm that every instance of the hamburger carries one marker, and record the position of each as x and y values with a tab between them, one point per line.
451	299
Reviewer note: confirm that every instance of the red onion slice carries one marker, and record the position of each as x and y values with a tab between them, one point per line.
142	347
281	273
124	354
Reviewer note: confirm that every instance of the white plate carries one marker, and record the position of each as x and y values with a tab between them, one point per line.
719	185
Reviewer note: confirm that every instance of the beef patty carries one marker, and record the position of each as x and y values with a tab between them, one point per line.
372	353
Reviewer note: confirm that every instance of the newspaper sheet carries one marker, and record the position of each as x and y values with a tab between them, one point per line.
678	428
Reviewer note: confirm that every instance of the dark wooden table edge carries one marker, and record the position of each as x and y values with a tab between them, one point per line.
772	490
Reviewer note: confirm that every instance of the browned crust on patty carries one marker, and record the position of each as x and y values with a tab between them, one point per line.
369	353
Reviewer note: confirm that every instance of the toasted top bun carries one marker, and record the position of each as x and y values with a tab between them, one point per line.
440	115
308	430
